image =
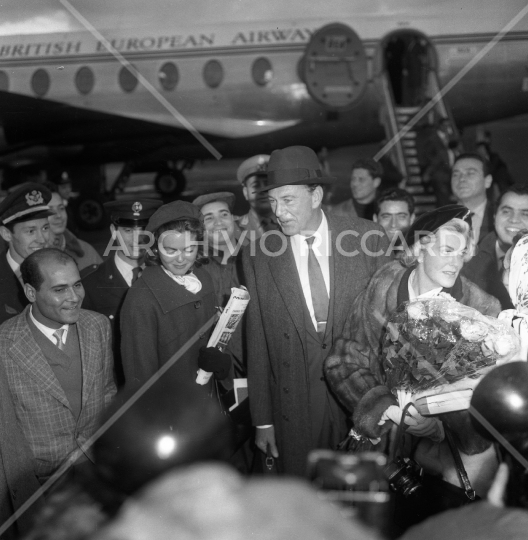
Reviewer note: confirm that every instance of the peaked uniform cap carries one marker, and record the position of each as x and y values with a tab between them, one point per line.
133	212
253	166
26	202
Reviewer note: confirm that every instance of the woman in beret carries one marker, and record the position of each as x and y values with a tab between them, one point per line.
171	301
439	244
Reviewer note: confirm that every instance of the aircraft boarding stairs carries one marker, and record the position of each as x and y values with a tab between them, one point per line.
404	152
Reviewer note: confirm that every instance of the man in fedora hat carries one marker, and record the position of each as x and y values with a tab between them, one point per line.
302	282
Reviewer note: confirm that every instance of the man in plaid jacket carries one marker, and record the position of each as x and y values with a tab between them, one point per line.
58	362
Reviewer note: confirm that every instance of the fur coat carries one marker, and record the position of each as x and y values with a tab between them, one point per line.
354	368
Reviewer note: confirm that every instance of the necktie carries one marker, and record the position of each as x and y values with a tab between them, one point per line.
136	272
320	298
58	336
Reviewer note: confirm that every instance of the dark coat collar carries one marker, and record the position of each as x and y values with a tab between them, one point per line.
169	294
403	289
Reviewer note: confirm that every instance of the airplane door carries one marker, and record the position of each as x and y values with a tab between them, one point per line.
334	67
407	58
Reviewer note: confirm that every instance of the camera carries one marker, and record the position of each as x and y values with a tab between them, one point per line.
403	476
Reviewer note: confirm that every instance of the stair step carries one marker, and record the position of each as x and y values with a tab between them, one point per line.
408	143
409	135
417	189
406	110
412	161
410	151
425	199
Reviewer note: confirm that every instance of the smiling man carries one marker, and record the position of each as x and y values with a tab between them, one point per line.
394	211
485	268
58	362
302	281
24	226
470	178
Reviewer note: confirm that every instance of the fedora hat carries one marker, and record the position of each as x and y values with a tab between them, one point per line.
294	166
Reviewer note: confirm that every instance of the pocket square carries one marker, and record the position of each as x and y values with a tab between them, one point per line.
10	310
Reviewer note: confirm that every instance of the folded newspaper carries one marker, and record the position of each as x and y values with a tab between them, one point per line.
226	325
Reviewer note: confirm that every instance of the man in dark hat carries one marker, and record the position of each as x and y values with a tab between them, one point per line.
302	282
252	175
107	284
24	226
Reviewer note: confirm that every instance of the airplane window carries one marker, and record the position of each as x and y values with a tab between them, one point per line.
213	74
127	80
84	80
40	82
261	71
4	81
168	76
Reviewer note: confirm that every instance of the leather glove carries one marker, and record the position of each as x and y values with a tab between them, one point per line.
214	361
418	425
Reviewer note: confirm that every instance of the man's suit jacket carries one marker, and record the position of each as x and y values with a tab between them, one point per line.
483	270
105	290
42	408
12	297
488	222
276	330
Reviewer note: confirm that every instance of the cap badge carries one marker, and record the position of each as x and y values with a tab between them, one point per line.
34	198
136	208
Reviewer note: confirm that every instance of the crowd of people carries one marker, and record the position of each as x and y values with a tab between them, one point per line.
80	333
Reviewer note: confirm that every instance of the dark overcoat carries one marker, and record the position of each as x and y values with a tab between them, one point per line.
158	318
354	366
483	270
105	290
278	371
12	297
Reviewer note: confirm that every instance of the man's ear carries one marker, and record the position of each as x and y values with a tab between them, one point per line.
375	218
488	180
317	197
377	182
113	228
5	233
413	217
30	292
245	191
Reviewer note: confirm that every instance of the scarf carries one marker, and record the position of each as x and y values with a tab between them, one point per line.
189	281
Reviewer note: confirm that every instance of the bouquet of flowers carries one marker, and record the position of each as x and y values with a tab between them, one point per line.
437	345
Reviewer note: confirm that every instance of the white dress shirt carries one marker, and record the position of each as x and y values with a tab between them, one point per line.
48	332
124	268
322	250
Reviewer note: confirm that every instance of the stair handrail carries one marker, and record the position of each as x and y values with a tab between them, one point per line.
394	126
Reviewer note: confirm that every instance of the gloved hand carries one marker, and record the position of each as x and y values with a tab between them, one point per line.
418	425
214	361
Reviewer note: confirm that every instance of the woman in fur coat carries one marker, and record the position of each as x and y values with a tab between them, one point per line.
354	366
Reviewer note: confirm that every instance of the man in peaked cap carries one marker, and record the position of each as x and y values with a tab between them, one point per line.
302	281
24	226
252	175
107	284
